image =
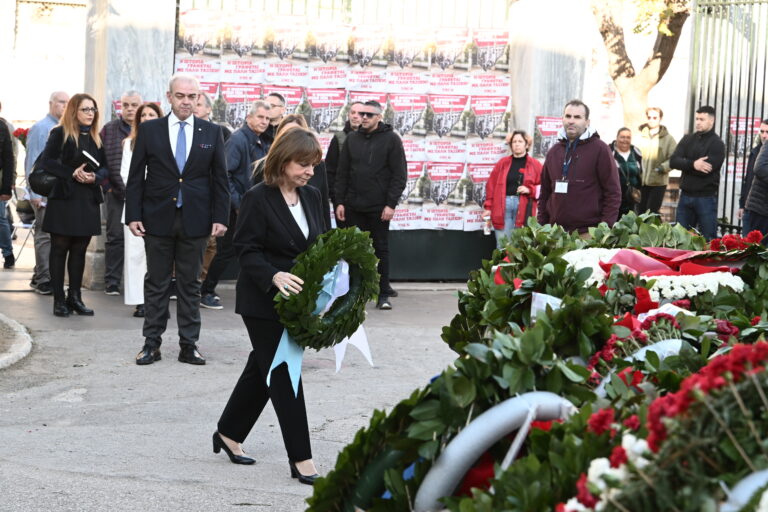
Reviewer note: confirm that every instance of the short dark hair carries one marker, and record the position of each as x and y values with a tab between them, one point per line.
521	133
578	103
374	103
656	109
764	121
278	96
623	129
706	109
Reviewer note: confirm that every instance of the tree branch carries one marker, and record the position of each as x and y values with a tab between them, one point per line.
663	51
619	65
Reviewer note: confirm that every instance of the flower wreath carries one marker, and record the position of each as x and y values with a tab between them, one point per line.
296	312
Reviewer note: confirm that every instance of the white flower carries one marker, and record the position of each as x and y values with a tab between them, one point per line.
635	449
681	287
590	258
763	505
574	505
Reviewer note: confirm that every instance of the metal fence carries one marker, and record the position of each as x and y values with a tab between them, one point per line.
729	66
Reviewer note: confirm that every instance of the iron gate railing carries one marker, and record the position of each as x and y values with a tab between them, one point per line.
729	65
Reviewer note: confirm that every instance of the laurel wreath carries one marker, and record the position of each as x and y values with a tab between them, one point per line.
348	311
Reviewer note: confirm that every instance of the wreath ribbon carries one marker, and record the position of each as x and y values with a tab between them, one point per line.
335	284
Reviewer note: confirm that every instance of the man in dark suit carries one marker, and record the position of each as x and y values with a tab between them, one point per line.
181	200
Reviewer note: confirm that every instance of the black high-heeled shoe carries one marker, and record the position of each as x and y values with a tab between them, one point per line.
304	479
219	444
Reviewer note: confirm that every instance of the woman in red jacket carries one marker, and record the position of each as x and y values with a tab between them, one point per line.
512	188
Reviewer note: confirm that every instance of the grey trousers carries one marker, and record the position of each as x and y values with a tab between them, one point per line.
42	273
163	253
114	246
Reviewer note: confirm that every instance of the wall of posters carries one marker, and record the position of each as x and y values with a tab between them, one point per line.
446	93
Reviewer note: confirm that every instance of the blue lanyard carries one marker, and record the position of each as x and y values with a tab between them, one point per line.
569	150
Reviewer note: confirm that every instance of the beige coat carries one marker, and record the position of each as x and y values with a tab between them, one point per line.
656	150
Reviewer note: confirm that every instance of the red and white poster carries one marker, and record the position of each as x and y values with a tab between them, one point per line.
329	41
743	130
450	47
491	47
416	82
443	176
325	141
489	112
736	169
198	29
415	191
239	98
415	148
479	174
473	218
446	150
246	32
204	69
367	79
486	151
443	217
211	88
407	218
364	96
447	111
545	135
409	109
490	84
409	47
449	83
287	35
292	95
285	72
244	71
367	44
326	105
327	76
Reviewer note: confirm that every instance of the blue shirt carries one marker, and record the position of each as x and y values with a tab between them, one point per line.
36	139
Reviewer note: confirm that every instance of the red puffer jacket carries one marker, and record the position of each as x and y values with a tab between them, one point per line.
496	191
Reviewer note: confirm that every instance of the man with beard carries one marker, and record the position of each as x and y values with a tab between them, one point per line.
337	142
656	146
276	103
370	178
242	149
579	182
699	156
112	135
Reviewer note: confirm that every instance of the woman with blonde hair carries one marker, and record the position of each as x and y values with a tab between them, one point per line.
75	155
279	218
135	259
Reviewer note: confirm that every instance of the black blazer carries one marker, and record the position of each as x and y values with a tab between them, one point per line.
267	240
152	199
60	157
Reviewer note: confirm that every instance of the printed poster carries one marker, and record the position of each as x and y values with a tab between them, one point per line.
545	135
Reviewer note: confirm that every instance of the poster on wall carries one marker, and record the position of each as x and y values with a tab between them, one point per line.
446	93
742	131
545	135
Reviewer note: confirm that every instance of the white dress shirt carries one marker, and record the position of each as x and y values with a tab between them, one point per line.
173	132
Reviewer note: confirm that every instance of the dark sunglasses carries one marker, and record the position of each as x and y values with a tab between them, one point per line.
368	114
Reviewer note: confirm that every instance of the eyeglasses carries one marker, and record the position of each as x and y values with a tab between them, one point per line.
368	114
86	110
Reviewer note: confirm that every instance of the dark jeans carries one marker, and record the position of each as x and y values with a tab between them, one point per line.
757	221
699	213
163	254
114	245
225	253
379	230
651	198
746	223
251	393
69	252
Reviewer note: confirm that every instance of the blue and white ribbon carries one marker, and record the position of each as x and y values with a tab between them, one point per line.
335	284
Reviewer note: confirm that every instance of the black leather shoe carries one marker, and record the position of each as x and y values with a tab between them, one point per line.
75	303
219	444
148	355
189	354
304	479
391	292
139	311
60	308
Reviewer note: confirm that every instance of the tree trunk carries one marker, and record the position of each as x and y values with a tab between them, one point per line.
634	97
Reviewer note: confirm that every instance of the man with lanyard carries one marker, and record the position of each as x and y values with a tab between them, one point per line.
579	182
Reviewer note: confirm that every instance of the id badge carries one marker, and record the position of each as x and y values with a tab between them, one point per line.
561	187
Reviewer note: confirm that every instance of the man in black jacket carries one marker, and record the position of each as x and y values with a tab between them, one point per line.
7	182
242	149
757	202
112	135
369	180
744	214
334	148
699	156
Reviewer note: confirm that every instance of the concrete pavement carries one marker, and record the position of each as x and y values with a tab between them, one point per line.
83	428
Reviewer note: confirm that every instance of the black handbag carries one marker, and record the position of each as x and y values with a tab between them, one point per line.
40	181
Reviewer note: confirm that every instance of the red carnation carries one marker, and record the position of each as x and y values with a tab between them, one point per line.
633	422
601	421
682	303
733	242
714	244
560	507
644	303
618	457
630	376
726	329
755	320
585	497
649	321
541	425
754	237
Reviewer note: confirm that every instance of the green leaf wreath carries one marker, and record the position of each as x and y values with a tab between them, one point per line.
347	312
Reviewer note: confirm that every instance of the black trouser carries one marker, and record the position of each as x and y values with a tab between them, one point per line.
251	393
163	254
114	248
651	198
225	253
379	230
67	251
759	222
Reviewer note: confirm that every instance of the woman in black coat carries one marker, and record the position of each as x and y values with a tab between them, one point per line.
73	216
279	218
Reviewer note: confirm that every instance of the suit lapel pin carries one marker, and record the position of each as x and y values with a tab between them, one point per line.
199	129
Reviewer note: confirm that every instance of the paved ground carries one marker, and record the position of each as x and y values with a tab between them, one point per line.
82	428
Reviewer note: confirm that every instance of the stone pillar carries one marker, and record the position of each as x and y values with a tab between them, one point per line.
129	45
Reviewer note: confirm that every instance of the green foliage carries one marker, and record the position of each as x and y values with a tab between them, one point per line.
645	230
